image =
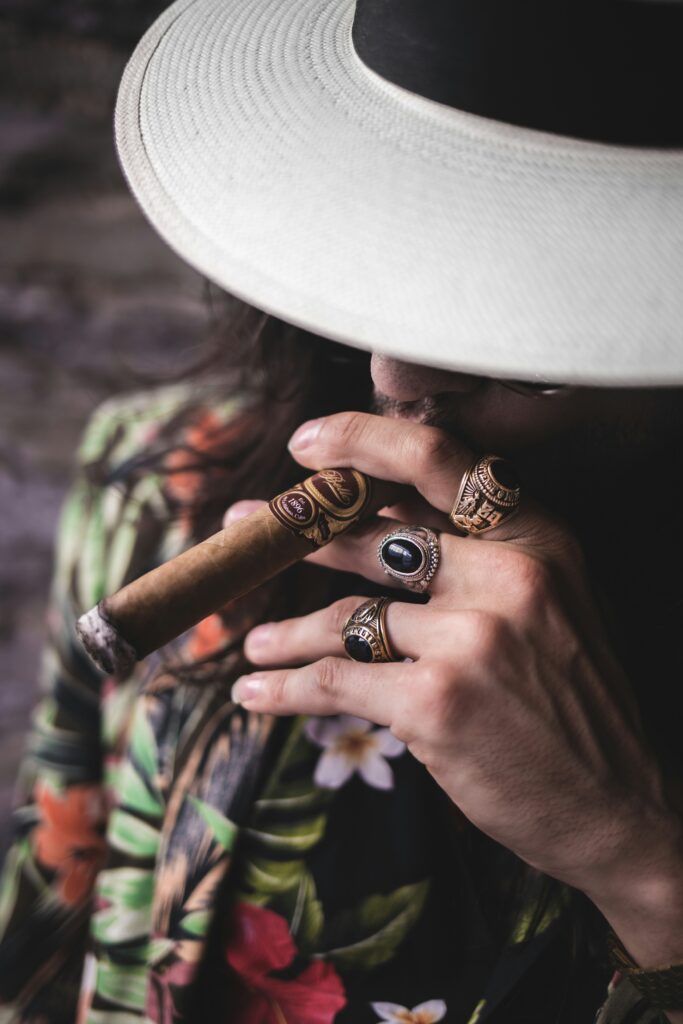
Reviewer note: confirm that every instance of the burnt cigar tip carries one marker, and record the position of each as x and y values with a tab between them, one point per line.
105	645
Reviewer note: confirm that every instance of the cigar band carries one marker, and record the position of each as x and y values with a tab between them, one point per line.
326	504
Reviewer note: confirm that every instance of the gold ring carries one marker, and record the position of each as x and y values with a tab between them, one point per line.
489	494
364	634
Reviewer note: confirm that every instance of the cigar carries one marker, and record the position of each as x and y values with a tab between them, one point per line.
161	605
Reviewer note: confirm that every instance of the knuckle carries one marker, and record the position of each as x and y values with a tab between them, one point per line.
447	700
552	536
498	562
566	546
278	689
483	634
526	578
404	724
327	676
434	450
436	692
545	537
346	429
533	580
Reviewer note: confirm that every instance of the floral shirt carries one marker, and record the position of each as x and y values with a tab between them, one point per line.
178	859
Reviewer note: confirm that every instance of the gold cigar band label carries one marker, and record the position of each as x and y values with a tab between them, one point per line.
326	504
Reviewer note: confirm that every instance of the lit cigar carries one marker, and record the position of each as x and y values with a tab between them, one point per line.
162	604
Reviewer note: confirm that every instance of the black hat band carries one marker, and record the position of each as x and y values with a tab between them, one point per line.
605	71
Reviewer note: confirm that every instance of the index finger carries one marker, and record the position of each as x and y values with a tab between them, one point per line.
425	457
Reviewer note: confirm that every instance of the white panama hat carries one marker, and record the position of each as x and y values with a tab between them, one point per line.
292	173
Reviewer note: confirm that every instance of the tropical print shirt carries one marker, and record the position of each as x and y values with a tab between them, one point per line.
177	859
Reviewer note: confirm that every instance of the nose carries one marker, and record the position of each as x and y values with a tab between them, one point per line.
409	382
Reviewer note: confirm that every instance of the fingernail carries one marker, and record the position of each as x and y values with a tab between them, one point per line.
245	688
259	636
305	435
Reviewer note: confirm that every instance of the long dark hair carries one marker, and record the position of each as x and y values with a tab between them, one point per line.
280	375
288	375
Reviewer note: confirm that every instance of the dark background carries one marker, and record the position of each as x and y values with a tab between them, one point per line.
90	299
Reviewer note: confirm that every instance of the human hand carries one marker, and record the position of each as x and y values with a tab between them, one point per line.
513	699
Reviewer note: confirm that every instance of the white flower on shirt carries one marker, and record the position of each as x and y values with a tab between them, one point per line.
352	745
425	1013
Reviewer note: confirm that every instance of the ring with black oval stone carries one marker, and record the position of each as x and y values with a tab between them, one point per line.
364	635
411	555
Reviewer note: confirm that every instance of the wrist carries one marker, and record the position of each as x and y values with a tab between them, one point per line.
651	931
648	924
643	903
662	986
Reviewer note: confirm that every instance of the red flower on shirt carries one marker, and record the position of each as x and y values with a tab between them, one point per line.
260	943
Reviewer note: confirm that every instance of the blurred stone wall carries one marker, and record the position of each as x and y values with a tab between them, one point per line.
89	297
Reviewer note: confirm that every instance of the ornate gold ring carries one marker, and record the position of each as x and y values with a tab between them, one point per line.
364	634
489	494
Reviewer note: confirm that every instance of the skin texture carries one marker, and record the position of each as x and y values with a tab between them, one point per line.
515	699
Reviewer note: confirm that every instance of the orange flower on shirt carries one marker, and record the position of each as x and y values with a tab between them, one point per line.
208	637
208	437
69	838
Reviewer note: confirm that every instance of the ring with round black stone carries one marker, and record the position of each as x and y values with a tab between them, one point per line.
411	555
364	633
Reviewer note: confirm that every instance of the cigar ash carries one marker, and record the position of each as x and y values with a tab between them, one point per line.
105	645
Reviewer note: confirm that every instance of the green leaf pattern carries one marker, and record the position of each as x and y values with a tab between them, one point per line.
171	763
287	822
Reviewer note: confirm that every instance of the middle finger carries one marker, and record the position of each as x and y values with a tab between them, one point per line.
357	552
461	566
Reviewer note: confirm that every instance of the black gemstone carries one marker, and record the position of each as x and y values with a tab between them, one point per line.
505	474
402	556
358	648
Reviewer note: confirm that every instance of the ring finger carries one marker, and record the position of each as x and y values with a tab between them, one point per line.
318	635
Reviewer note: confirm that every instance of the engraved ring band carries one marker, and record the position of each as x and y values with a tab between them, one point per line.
489	494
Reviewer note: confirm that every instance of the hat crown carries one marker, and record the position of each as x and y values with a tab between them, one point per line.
606	70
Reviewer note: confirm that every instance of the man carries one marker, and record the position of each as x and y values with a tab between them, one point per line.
490	200
514	633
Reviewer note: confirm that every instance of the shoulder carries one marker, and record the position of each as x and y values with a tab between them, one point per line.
145	422
121	515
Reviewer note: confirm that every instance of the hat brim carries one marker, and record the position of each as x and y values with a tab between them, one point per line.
275	162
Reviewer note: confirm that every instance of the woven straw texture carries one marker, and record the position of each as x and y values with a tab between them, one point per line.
274	161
